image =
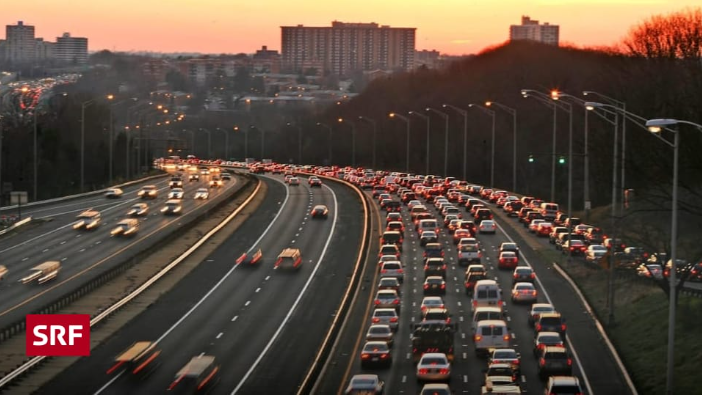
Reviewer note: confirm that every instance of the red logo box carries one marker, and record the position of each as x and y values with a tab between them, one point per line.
58	335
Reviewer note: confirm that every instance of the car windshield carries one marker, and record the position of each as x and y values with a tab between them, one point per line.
504	354
524	271
550	339
433	361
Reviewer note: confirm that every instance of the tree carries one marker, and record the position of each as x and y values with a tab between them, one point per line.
674	36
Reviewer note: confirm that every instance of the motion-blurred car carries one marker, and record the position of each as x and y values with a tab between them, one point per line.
172	207
138	210
113	193
200	374
216	182
175	182
148	192
176	193
194	177
88	219
320	211
126	227
202	193
139	359
651	270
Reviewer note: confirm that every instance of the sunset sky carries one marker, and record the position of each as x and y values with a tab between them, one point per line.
231	26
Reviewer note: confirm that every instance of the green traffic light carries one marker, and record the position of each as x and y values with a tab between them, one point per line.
531	159
561	160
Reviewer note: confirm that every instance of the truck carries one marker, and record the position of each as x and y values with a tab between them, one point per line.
432	337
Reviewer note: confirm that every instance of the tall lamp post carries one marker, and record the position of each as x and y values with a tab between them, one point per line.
36	159
209	142
407	122
112	132
299	141
491	113
428	121
546	100
464	113
620	105
353	139
446	136
513	113
226	142
656	126
83	106
375	134
329	129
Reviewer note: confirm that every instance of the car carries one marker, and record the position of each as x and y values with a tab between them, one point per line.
524	292
436	389
366	384
386	317
289	257
547	339
175	182
595	252
554	361
389	249
507	356
390	283
202	193
378	332
138	359
226	176
375	353
434	285
148	192
651	270
126	227
432	302
193	177
138	210
392	269
428	236
534	224
537	309
319	211
172	207
200	372
395	226
176	193
114	193
216	182
507	260
487	226
436	316
503	373
87	220
460	233
435	267
523	274
509	247
293	181
550	322
393	217
387	298
563	385
314	182
471	279
575	247
433	367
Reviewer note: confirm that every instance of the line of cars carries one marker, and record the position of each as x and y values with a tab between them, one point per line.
490	332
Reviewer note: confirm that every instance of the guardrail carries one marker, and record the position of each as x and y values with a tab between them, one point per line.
86	194
319	361
109	275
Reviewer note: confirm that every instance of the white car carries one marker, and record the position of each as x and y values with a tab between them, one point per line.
487	226
595	252
113	193
294	181
202	193
138	210
433	367
524	292
176	193
432	302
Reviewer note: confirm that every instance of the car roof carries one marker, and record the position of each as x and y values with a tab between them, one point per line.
196	366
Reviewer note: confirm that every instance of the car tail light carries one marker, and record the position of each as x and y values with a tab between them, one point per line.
443	286
563	327
506	337
477	338
423	371
570	362
538	327
500	302
424	254
377	302
533	292
396	301
383	356
533	275
376	320
444	371
542	362
393	319
426	286
365	356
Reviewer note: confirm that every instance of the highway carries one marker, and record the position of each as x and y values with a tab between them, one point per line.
262	324
85	253
592	363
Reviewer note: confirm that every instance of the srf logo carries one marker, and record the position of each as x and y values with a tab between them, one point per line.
58	335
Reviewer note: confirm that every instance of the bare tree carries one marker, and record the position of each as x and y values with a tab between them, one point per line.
673	36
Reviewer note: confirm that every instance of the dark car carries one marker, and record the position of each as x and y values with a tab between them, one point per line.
471	279
320	211
435	267
482	214
550	322
523	274
392	237
554	361
376	353
433	250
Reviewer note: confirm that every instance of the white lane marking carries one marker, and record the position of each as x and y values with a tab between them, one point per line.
201	354
248	302
514	336
548	298
523	379
297	301
63	259
220	335
235	318
465	378
104	387
299	229
82	249
63	242
24	259
463	335
404	378
267	277
45	249
509	318
458	303
258	290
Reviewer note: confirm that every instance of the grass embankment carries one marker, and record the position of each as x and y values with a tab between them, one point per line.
641	331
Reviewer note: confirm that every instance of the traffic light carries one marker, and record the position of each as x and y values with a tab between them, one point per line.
561	160
531	158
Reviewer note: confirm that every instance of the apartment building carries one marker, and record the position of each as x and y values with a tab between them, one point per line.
531	30
20	45
71	50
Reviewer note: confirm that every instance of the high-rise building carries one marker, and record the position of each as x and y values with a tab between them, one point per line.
72	50
20	43
531	30
347	47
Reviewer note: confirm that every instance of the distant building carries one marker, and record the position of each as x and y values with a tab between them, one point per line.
44	50
426	58
71	50
345	48
265	61
20	43
533	31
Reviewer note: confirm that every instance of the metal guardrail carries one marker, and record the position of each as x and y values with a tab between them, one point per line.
95	283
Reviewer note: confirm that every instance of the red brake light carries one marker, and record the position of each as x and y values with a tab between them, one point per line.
365	356
570	362
393	319
376	320
542	362
377	301
538	327
563	327
443	286
426	286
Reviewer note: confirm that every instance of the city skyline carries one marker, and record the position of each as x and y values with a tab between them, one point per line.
454	27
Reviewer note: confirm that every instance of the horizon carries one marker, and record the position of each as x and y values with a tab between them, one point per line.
453	28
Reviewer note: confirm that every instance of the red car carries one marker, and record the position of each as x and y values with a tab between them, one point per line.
507	260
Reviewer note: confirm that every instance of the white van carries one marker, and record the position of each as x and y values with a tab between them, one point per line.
417	209
491	334
485	313
486	294
428	224
549	211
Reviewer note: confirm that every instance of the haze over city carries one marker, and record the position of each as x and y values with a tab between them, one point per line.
221	26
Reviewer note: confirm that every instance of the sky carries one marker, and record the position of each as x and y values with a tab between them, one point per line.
454	27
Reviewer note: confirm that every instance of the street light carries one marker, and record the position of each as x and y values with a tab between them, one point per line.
428	121
512	112
656	126
491	113
464	113
299	142
83	106
407	121
375	133
226	142
209	142
549	103
446	131
353	139
590	106
622	106
111	160
330	139
263	138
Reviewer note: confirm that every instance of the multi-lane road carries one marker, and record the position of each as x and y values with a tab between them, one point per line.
85	254
262	324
